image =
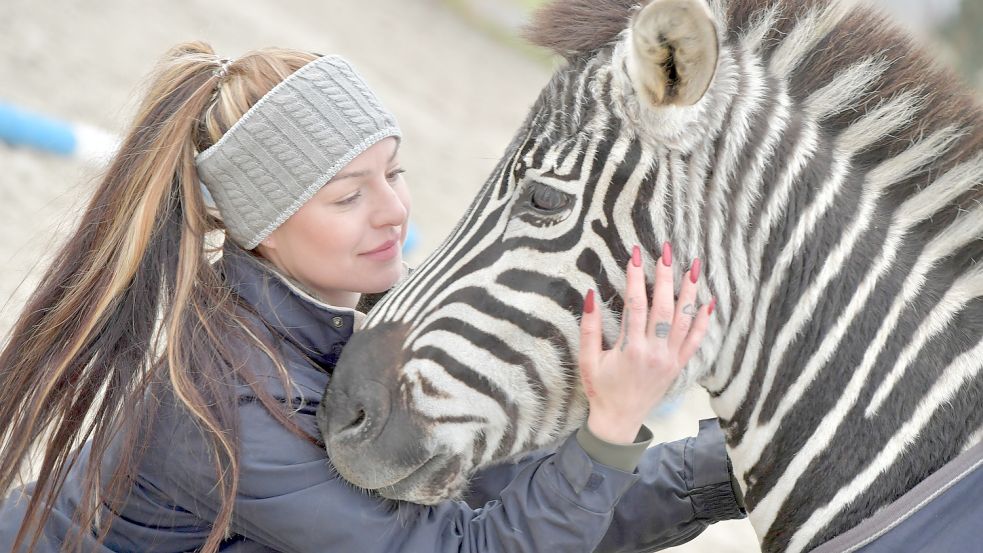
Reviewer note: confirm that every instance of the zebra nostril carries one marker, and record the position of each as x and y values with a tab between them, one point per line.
356	423
356	415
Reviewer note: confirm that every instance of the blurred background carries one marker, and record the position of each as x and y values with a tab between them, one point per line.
453	71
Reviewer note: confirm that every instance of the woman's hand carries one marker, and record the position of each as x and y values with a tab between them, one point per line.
624	383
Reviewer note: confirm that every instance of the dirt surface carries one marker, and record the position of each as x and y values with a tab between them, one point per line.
458	94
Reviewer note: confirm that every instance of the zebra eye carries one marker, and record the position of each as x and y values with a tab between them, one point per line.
541	205
546	198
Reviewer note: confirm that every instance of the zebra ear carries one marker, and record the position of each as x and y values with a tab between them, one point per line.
673	51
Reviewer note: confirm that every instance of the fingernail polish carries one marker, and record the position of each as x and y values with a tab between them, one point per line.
636	256
667	255
589	302
694	272
713	304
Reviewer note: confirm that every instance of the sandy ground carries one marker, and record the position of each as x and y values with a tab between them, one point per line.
458	94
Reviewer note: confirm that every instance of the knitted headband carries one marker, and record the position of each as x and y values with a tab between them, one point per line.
289	144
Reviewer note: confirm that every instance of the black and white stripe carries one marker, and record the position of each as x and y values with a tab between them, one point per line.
831	181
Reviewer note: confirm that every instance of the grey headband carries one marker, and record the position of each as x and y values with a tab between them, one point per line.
289	144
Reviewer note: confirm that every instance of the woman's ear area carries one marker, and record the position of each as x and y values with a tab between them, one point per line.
269	243
672	52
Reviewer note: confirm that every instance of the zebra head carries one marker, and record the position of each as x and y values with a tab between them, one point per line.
472	359
825	171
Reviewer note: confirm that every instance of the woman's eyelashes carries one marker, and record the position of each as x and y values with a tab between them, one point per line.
392	178
350	199
393	175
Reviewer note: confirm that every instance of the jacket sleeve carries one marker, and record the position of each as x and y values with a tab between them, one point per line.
683	487
289	499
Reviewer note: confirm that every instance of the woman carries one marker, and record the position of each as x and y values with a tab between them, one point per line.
193	384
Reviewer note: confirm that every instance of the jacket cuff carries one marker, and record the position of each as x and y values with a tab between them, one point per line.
624	457
596	487
713	489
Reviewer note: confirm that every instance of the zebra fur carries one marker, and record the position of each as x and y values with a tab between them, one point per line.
831	179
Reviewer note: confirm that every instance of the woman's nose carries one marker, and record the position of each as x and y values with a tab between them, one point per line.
390	211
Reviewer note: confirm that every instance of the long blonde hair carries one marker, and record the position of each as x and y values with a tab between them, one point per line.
131	300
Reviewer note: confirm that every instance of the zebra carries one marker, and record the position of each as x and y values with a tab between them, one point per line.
830	176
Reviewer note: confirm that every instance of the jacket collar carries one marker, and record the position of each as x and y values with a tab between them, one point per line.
319	330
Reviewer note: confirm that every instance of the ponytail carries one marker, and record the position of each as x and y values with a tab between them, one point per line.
131	300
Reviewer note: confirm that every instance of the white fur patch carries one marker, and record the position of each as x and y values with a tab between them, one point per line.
809	30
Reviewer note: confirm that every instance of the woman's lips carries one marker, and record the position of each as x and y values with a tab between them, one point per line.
388	250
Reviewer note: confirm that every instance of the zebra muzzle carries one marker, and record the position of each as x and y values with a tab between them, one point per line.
370	434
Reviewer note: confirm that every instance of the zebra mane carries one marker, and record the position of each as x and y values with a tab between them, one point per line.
577	28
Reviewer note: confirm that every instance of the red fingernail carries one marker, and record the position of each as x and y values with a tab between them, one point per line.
713	304
667	255
694	272
589	302
636	256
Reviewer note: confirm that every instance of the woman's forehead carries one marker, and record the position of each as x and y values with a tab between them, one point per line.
378	157
382	153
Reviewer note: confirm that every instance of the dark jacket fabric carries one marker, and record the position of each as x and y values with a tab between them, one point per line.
941	514
290	500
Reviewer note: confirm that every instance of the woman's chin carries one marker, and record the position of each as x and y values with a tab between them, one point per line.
382	280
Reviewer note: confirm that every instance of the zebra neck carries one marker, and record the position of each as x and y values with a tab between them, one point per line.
847	363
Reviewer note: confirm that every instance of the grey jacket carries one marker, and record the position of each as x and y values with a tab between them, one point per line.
290	499
941	514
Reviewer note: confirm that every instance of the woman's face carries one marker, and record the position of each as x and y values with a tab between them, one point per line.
347	239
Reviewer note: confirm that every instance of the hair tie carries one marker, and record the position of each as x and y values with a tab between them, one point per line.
223	70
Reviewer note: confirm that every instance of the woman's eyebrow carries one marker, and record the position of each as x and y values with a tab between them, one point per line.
364	172
350	175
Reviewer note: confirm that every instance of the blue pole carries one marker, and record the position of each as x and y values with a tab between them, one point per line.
20	127
411	239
